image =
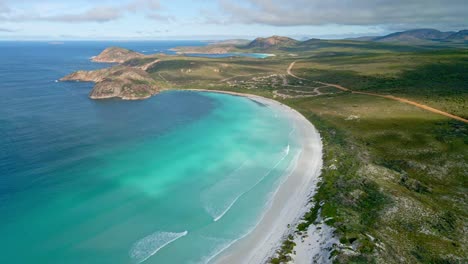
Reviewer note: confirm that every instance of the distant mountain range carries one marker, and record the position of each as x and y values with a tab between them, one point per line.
410	36
419	35
460	35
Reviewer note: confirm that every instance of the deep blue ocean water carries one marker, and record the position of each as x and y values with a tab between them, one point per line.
172	179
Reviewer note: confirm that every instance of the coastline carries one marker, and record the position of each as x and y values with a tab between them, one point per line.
288	205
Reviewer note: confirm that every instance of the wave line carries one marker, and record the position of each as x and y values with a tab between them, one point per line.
286	151
146	247
229	244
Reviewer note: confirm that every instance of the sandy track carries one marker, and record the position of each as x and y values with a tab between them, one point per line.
149	65
290	71
391	97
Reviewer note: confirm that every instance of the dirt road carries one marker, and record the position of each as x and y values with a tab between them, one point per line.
391	97
291	74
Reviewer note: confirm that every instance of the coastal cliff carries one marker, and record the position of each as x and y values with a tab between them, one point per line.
118	82
123	81
86	76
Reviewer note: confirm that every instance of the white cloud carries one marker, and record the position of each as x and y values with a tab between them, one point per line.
99	14
346	12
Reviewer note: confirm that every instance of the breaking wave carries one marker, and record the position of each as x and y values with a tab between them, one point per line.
217	212
146	247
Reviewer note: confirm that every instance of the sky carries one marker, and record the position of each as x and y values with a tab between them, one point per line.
222	19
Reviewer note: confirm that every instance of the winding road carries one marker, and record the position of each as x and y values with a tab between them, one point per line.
391	97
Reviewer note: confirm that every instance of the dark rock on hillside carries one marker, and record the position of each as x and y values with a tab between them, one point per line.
127	83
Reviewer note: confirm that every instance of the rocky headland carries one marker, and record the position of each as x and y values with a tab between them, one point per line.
129	80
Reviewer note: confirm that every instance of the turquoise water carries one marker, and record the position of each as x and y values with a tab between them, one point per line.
176	178
232	54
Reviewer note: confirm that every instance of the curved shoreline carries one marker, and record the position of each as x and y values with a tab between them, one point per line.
289	203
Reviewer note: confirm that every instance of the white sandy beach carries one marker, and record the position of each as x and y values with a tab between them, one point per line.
289	204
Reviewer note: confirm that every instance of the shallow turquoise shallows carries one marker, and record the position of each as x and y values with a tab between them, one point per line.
176	178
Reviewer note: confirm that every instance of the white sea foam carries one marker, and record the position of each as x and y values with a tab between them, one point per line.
212	210
223	246
218	214
146	247
227	209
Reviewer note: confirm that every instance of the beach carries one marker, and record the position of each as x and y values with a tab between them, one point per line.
290	202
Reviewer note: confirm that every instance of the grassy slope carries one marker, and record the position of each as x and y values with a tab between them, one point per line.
395	173
394	180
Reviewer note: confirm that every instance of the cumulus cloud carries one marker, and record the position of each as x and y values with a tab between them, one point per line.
346	12
99	14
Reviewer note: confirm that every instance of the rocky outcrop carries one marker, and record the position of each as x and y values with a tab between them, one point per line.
126	90
86	76
116	55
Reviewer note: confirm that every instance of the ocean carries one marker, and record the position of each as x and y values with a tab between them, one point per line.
176	178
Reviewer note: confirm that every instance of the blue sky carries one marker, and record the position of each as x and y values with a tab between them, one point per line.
219	19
